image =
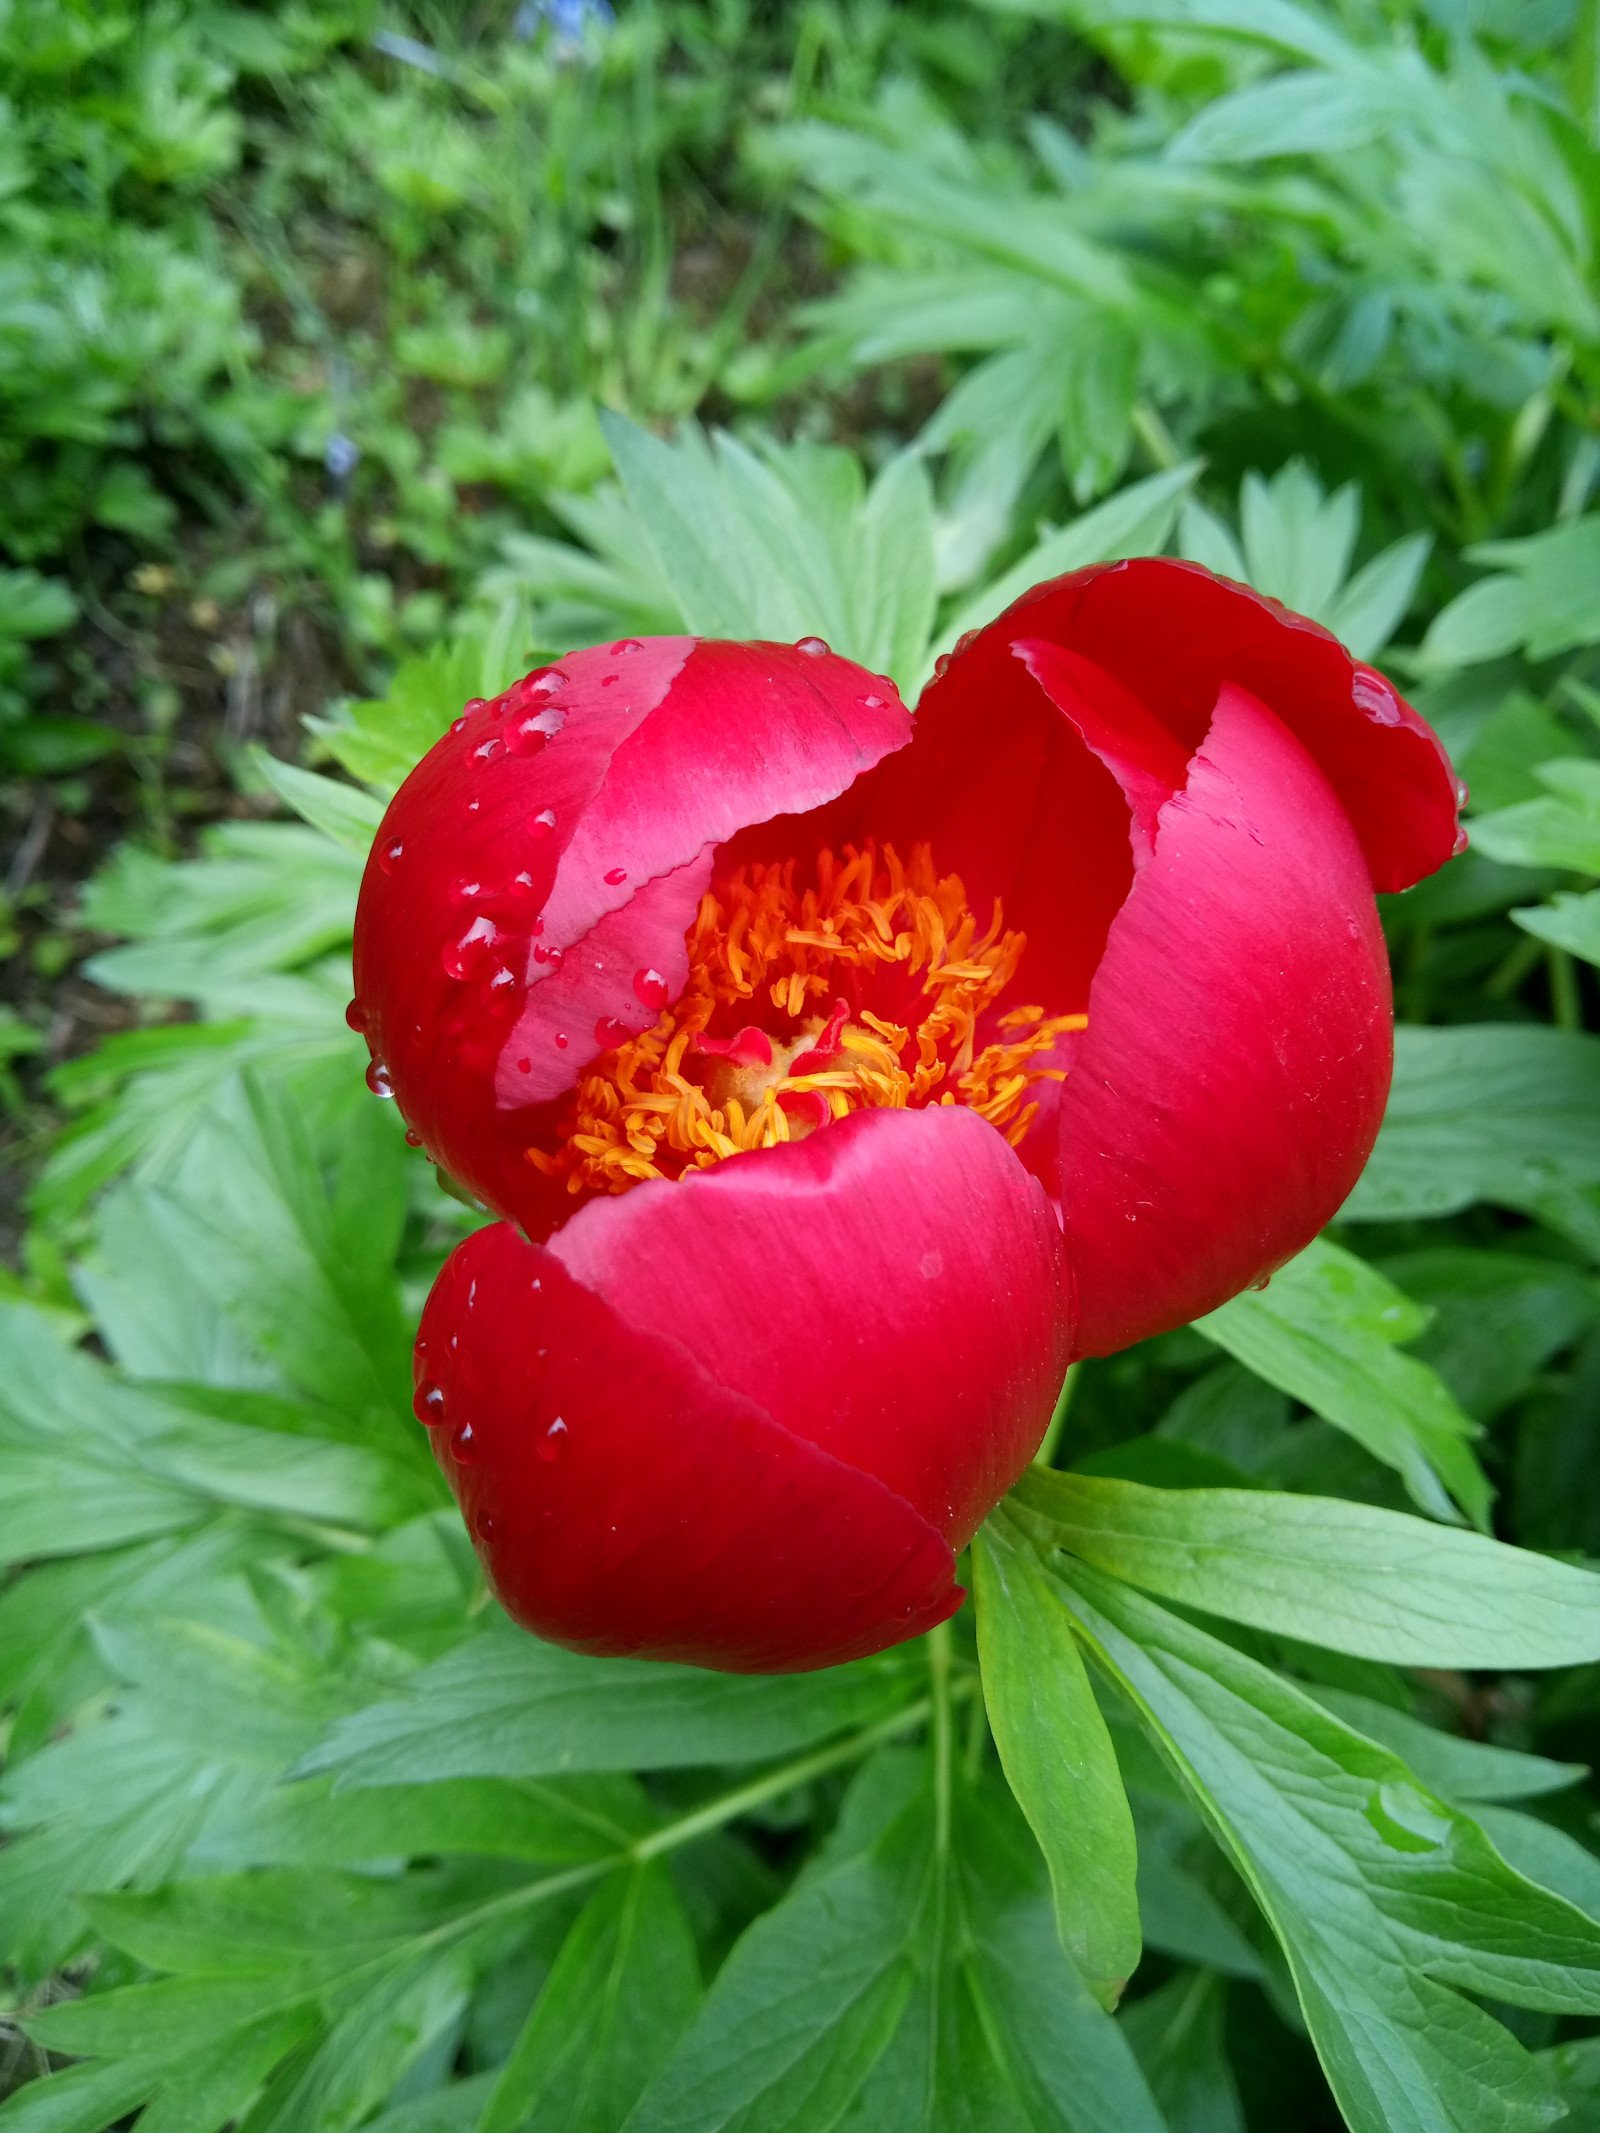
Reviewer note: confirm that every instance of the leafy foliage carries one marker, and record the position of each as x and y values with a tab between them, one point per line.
1257	1775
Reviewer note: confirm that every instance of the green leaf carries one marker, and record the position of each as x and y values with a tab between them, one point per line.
1560	831
343	812
624	1987
1389	1903
1569	922
80	2099
1348	1576
1326	1330
505	1705
1058	1758
1498	1112
1545	600
807	2002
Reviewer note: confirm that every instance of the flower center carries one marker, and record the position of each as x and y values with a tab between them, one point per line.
863	988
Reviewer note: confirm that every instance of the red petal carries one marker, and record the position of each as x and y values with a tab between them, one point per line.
1233	1075
888	1289
1174	634
625	1502
539	826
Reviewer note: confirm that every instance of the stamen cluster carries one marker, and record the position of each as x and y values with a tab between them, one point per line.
866	987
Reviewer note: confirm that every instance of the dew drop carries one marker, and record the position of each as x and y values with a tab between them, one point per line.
458	725
550	683
473	806
941	666
486	751
551	955
473	703
469	954
561	1040
551	1444
1462	840
530	734
609	1032
378	1079
813	647
356	1015
872	703
651	988
485	1528
427	1404
543	822
467	891
615	877
624	645
413	1139
1463	792
524	1066
1261	1281
389	854
463	1443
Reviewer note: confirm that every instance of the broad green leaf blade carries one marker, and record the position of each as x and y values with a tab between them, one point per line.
1498	1112
1569	922
1058	1758
1325	1330
1383	1897
505	1705
624	1987
1357	1579
807	2002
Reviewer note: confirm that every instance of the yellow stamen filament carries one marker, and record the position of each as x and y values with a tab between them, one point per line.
767	953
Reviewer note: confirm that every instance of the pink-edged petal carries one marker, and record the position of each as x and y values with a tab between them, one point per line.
1233	1075
891	1290
1174	634
625	1501
578	808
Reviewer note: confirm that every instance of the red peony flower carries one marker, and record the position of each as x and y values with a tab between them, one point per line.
843	1076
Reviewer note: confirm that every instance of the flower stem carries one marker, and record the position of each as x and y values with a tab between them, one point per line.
1045	1455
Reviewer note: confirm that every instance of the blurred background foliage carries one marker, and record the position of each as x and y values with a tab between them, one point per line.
350	355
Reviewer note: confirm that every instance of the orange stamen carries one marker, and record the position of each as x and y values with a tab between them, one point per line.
871	983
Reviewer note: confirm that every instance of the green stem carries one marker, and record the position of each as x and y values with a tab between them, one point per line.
939	1659
1566	1007
1045	1455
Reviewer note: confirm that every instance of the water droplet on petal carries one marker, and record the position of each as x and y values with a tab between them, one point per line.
413	1139
1463	792
1462	840
473	950
550	683
551	955
551	1445
356	1015
467	891
561	1040
427	1404
610	1032
1261	1281
615	877
463	1443
813	647
651	988
485	1528
378	1079
389	854
486	751
473	703
530	734
872	703
524	1066
543	822
624	645
458	725
941	666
